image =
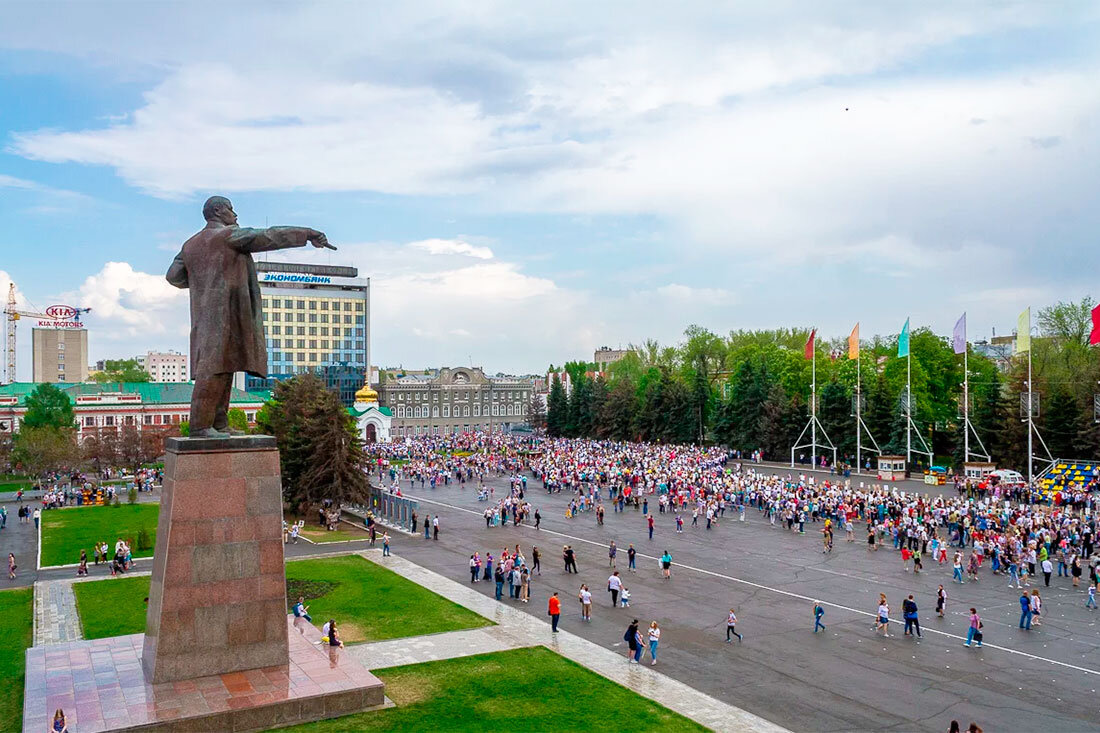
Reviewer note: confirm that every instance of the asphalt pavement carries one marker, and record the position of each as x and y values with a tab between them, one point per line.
847	678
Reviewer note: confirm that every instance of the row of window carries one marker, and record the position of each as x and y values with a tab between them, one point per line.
407	430
313	331
497	395
313	304
90	421
315	357
313	318
313	344
414	411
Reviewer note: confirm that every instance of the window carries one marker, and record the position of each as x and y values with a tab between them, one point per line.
446	410
89	422
313	305
313	343
302	304
266	303
109	420
435	411
347	305
324	318
312	330
147	419
301	318
359	307
250	416
60	345
277	330
312	317
276	343
477	409
324	330
301	343
324	305
466	411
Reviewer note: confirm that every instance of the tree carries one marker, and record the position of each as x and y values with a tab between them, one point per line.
337	464
1062	423
835	411
536	413
121	370
617	416
48	406
237	419
45	449
320	453
100	448
557	409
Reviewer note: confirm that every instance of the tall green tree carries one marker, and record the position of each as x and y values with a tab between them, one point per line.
48	406
617	416
45	449
557	409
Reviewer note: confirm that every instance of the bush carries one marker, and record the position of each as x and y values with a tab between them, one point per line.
143	540
131	495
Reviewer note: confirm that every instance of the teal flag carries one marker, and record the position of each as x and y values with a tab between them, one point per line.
903	340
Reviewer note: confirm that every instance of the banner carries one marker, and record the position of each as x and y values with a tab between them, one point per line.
853	343
1023	331
958	339
810	345
903	340
1094	337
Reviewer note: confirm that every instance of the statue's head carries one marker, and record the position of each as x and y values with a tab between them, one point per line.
220	209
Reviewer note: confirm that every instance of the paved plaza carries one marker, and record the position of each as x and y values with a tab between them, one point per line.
847	678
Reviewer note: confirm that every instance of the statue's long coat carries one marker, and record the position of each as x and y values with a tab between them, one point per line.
227	330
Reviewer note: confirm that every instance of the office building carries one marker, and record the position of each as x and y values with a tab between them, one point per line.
316	320
59	354
605	355
457	400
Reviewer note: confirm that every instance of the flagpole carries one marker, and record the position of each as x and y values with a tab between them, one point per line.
1030	412
859	421
909	405
966	405
813	406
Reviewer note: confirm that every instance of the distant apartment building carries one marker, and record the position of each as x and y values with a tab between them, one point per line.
605	355
165	366
59	354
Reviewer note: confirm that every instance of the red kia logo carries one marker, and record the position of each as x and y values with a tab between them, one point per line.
61	311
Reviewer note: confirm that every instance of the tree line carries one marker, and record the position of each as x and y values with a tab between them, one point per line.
751	390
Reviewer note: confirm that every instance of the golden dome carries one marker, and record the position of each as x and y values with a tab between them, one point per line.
366	394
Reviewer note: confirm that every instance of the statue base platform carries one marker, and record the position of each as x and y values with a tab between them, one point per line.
101	687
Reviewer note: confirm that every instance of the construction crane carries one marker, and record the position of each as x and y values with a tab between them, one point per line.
13	313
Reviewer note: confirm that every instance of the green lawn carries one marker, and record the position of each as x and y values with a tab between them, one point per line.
112	607
371	603
368	602
16	610
344	532
521	689
65	532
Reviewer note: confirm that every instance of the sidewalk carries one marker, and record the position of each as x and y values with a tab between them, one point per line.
22	540
517	629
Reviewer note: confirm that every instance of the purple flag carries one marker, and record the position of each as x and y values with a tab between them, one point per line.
958	339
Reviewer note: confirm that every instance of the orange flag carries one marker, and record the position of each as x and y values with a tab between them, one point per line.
810	344
853	343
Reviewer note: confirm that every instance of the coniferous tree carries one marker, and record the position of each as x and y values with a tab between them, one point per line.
557	409
617	416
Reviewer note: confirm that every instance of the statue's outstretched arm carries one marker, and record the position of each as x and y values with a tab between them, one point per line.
265	240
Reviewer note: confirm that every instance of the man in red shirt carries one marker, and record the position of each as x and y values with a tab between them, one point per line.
554	609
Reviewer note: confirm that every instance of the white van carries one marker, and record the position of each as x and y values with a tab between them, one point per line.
1005	477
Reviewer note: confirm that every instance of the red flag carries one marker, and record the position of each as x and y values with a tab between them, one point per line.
1094	337
810	344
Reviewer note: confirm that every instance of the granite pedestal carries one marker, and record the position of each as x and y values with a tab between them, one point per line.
217	600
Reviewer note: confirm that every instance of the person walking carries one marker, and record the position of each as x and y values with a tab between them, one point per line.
11	566
819	611
731	628
883	621
427	526
385	544
957	568
912	618
498	578
435	527
941	601
535	557
614	586
649	521
654	639
1048	568
37	516
585	597
632	639
1025	611
631	553
473	568
1090	602
611	551
553	609
974	631
666	564
1036	608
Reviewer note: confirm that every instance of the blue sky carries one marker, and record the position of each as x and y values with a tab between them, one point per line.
524	183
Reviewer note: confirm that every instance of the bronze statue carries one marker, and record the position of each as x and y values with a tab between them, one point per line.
227	330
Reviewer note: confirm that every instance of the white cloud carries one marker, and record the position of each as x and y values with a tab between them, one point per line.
132	308
453	247
699	296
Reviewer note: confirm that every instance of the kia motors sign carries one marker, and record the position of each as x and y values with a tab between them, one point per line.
61	312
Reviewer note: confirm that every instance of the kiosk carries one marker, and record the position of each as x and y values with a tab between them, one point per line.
891	468
977	470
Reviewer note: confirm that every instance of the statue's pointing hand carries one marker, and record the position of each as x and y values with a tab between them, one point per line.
319	240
